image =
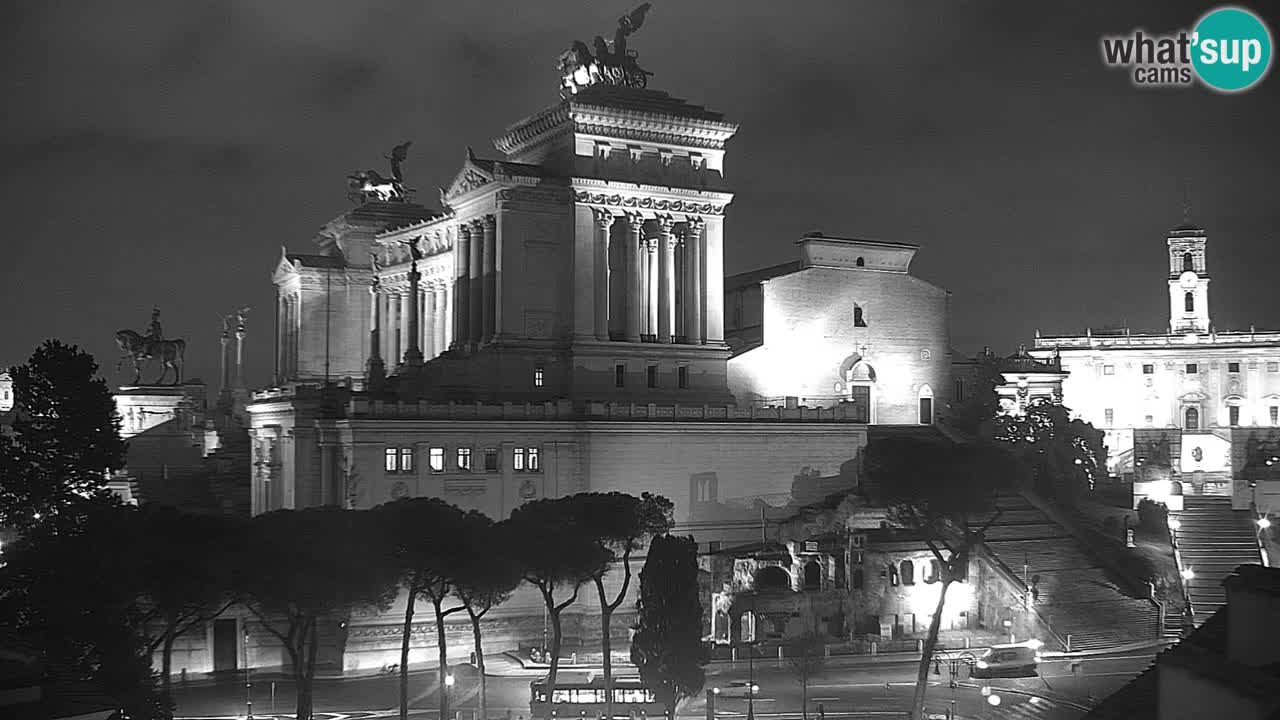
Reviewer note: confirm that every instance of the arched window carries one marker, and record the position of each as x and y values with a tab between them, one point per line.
812	576
925	401
908	570
1189	301
861	263
893	575
1188	262
858	319
1193	419
935	572
772	578
858	579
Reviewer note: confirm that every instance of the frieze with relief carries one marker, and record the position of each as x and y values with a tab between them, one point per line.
648	203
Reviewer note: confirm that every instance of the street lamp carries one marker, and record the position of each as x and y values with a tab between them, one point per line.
1174	524
1264	523
1188	574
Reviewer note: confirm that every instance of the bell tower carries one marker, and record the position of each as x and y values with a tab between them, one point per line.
1188	281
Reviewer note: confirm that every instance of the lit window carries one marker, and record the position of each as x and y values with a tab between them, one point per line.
1192	368
1108	369
464	458
893	576
682	377
517	460
619	375
389	463
1110	415
535	460
1148	369
537	376
651	374
406	459
436	459
490	459
1233	367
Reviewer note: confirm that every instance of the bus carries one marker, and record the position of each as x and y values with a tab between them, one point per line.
577	698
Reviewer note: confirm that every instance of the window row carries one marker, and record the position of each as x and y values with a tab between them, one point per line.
1190	368
651	376
1191	417
523	459
905	573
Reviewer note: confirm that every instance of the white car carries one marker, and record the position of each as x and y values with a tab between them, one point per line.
1007	661
738	689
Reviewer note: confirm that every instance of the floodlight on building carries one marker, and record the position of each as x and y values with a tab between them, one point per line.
1174	524
715	690
1188	574
1264	523
993	699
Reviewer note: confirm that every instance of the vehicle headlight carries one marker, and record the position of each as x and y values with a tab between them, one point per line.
1037	657
982	664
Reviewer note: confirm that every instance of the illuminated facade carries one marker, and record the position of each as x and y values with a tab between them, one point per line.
1184	411
847	325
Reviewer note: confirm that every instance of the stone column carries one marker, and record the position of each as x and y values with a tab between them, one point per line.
666	280
279	336
428	309
490	280
413	329
239	357
445	329
475	274
651	304
462	287
376	370
635	226
604	221
693	290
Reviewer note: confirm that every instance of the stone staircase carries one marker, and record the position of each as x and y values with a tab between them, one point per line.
1213	541
1073	592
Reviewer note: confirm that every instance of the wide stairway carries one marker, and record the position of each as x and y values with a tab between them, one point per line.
1213	541
1072	590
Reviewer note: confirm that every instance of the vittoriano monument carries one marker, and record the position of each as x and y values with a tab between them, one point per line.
607	66
370	186
143	348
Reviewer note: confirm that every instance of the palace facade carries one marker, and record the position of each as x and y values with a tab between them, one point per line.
1193	409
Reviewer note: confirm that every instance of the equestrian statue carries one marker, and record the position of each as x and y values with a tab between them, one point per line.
143	348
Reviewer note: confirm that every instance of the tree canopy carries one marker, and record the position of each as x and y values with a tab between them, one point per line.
667	646
1064	455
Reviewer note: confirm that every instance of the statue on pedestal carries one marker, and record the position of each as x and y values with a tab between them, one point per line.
144	348
370	186
616	66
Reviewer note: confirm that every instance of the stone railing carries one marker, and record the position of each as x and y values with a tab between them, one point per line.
1125	340
565	410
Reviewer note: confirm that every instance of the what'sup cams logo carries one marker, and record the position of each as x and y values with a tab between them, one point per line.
1229	51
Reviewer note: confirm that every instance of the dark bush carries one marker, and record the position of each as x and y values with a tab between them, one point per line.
1153	517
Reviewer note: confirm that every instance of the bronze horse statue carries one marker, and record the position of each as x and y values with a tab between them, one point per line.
141	349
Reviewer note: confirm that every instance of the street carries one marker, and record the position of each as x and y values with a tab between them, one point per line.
844	687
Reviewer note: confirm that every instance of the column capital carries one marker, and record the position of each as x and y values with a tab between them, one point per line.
489	222
636	221
694	224
464	230
604	217
666	223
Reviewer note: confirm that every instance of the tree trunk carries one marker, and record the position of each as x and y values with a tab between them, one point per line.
922	672
166	664
444	660
312	650
404	653
475	632
804	686
555	650
606	646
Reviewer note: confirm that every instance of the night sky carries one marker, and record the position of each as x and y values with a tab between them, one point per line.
155	152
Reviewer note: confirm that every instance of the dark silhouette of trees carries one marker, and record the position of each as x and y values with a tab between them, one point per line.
554	553
487	575
620	524
426	539
1064	456
306	567
187	565
667	646
66	437
934	488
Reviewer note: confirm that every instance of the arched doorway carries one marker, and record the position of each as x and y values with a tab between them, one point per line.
1191	418
812	575
772	578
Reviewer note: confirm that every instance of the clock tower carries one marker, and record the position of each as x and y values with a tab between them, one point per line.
1188	281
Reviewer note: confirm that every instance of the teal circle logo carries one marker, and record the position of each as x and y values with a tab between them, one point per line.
1231	49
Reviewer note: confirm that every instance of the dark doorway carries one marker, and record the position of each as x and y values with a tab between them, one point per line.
224	645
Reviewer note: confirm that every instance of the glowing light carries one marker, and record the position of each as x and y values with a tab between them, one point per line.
448	680
1034	643
715	691
1188	574
986	689
755	689
993	700
1174	523
982	665
1264	523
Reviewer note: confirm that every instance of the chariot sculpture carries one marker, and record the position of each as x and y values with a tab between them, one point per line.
143	348
370	186
580	68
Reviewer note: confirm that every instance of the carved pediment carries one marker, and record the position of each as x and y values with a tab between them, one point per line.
470	177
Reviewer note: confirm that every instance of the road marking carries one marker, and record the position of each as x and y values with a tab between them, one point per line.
819	699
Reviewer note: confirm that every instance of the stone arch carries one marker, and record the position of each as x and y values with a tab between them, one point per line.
812	575
908	571
772	577
860	262
1191	418
1175	487
924	402
1188	262
1189	301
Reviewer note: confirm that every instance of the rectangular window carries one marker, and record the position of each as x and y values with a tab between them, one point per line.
1233	367
517	460
537	376
959	390
682	377
651	375
1233	415
464	458
619	375
389	463
406	459
1150	420
436	459
490	459
1110	415
1192	368
535	460
1275	414
1273	367
926	411
1148	369
1108	369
